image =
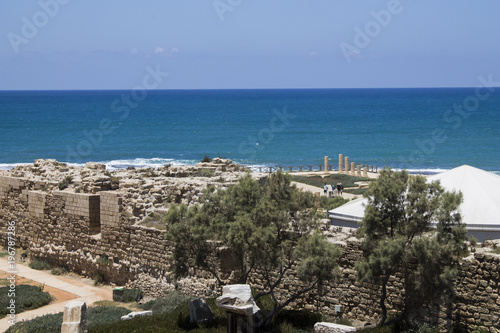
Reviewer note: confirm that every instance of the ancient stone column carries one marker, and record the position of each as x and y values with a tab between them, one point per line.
353	168
358	173
341	159
75	318
347	165
365	172
326	165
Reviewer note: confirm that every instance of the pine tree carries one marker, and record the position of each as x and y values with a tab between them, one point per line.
412	228
270	228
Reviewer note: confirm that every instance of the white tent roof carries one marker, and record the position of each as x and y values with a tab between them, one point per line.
481	193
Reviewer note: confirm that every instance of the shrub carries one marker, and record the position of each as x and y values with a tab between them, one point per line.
46	323
166	304
27	298
65	183
206	159
207	172
98	279
96	316
59	271
128	296
103	260
39	265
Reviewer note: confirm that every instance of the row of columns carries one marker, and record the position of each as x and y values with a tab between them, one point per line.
350	168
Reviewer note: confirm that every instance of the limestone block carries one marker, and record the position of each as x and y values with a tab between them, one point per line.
95	166
137	314
238	298
75	318
200	312
332	328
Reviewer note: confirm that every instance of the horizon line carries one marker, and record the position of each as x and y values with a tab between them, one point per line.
213	89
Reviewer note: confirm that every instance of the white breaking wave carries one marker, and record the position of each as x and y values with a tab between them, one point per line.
145	163
8	166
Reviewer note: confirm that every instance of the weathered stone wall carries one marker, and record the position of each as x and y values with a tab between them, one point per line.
91	234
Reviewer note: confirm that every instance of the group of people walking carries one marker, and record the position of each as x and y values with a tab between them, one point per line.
339	189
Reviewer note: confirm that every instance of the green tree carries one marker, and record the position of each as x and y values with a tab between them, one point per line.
271	229
412	228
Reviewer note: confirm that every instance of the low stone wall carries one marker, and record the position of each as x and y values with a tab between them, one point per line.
91	234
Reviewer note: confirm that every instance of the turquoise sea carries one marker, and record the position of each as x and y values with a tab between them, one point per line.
417	129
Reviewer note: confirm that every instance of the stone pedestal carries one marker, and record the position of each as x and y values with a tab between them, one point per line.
353	168
358	173
75	318
326	165
237	300
347	165
341	160
365	172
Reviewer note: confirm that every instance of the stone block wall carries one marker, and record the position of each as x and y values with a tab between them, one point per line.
61	227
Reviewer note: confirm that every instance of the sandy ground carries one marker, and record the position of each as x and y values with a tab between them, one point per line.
314	189
61	288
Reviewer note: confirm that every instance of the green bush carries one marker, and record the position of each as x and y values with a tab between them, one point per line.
332	203
102	260
166	304
207	172
98	279
128	296
96	316
59	271
206	159
27	298
46	323
40	265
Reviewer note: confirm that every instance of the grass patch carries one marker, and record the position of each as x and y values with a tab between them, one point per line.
318	181
155	220
166	304
332	203
27	298
96	316
356	191
40	265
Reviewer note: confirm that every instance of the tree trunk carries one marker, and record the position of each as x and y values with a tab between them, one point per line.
383	298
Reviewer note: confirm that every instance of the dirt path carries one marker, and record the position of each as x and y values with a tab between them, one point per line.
314	190
61	288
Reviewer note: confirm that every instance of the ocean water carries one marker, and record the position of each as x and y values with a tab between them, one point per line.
418	129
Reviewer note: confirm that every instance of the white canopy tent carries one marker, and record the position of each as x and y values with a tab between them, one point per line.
480	208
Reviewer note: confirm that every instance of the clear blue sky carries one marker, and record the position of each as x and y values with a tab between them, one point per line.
90	44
